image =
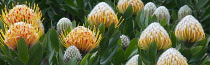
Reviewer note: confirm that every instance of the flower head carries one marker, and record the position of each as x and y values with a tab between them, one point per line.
162	12
81	37
189	30
24	13
62	24
102	13
133	60
72	52
125	41
184	11
136	5
28	32
149	8
172	57
154	33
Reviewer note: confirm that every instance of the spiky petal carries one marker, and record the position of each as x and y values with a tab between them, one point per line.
172	57
189	30
184	11
154	33
72	52
81	37
136	5
102	13
62	24
149	8
162	12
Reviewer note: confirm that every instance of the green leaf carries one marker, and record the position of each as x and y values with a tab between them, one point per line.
85	60
163	22
196	50
201	3
153	53
54	39
22	49
35	55
70	2
102	28
132	46
186	53
74	25
128	13
72	61
118	57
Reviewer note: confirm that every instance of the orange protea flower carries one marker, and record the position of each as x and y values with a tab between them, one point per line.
102	13
28	32
81	37
136	5
20	13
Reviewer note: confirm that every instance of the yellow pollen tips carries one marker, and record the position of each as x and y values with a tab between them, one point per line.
23	13
172	57
189	30
136	5
29	33
102	13
81	37
154	33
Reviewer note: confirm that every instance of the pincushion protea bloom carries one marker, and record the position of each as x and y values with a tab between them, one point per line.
102	13
172	57
28	32
24	13
136	5
133	60
125	41
81	37
62	24
149	8
72	52
154	33
184	11
189	30
162	12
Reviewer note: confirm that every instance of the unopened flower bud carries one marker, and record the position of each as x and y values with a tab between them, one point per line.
149	8
63	24
162	12
72	52
184	11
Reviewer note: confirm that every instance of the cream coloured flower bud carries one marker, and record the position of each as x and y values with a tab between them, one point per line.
125	41
62	24
172	57
133	60
184	11
136	5
102	13
72	52
162	12
149	8
154	33
189	30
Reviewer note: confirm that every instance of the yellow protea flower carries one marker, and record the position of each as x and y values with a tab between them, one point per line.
189	30
172	57
24	13
28	32
154	33
136	5
102	13
81	37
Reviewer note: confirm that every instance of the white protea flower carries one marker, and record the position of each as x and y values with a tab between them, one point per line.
136	5
189	30
172	57
133	60
162	12
154	33
102	13
125	40
149	8
62	24
72	52
184	11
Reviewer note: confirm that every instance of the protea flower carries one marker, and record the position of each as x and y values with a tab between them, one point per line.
72	52
133	60
28	32
149	8
189	30
102	13
125	41
24	13
154	33
81	37
136	5
172	57
62	24
162	12
184	11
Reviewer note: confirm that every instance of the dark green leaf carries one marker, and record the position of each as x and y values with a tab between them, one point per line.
201	3
35	55
22	49
128	13
132	46
196	50
153	53
54	39
85	60
102	28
